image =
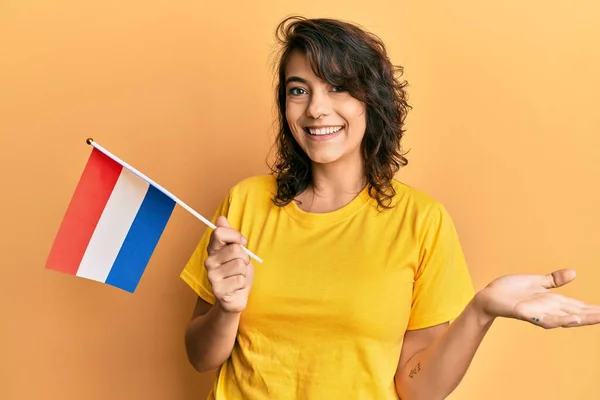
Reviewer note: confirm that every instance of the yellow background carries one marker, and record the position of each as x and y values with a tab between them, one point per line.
504	131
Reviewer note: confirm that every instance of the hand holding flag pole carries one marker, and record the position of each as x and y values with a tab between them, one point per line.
114	221
91	142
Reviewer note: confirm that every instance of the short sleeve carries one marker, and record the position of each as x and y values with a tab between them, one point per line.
194	272
443	285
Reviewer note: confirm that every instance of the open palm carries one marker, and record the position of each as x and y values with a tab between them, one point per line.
528	297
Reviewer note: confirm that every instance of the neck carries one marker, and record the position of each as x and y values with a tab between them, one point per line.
334	186
337	179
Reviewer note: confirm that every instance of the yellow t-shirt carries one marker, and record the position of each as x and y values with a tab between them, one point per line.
335	294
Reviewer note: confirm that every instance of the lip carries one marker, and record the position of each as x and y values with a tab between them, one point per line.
323	126
323	138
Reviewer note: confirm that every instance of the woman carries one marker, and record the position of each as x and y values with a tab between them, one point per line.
361	273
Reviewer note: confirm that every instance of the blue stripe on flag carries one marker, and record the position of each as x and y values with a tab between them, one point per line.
141	240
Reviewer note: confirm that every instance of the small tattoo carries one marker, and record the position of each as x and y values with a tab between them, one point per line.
415	370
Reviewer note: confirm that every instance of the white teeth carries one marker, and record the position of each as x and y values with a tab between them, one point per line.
325	131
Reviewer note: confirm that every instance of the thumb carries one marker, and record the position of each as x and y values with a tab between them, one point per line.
558	278
222	222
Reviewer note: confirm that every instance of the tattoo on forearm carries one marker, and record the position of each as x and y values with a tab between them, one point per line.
415	370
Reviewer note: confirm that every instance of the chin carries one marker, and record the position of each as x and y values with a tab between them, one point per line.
324	158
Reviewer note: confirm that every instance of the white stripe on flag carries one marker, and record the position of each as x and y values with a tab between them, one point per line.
113	226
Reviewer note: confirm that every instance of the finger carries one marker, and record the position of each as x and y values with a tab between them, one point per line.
222	221
556	321
557	278
226	254
591	308
236	283
575	306
588	319
220	276
231	285
567	320
577	309
567	304
570	308
233	268
223	235
568	300
250	274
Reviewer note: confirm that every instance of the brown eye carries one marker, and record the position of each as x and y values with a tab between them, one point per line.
296	91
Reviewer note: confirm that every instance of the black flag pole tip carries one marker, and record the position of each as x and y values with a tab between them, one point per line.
89	140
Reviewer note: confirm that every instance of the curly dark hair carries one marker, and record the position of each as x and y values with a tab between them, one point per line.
343	54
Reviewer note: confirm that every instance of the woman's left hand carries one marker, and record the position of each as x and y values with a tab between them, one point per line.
529	298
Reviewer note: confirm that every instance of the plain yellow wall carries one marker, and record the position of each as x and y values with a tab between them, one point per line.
504	131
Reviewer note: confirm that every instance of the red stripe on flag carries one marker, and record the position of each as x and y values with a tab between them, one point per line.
87	204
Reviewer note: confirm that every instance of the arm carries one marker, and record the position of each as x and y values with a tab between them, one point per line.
434	360
210	336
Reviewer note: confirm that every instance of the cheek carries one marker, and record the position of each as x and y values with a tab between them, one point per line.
357	117
293	114
290	111
350	108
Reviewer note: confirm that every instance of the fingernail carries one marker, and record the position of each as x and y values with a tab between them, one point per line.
244	241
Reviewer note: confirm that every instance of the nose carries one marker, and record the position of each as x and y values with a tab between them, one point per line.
319	105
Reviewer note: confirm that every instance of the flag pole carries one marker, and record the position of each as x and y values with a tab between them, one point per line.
91	142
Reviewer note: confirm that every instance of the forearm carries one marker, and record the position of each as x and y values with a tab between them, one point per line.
435	372
209	338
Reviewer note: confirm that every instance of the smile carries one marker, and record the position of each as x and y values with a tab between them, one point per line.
321	131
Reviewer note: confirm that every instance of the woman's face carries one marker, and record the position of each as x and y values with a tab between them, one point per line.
327	122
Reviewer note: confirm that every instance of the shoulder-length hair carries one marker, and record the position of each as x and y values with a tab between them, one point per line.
343	54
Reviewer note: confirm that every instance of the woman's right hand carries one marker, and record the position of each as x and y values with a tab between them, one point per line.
230	272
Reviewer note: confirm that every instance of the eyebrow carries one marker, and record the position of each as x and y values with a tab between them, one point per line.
296	79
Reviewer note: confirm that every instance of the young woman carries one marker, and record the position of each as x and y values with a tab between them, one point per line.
361	273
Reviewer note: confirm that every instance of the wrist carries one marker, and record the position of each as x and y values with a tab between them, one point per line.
221	311
480	307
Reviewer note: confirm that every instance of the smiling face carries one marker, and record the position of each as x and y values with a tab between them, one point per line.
326	121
